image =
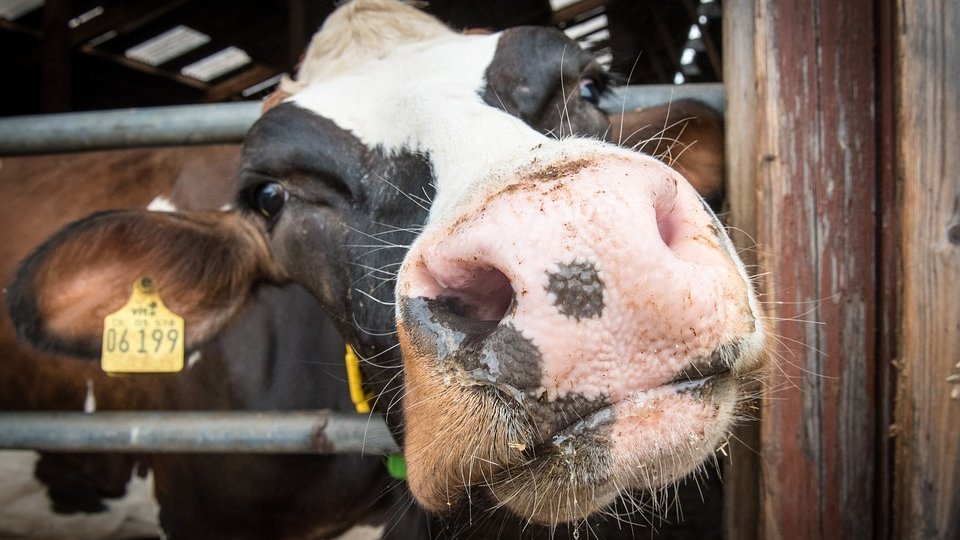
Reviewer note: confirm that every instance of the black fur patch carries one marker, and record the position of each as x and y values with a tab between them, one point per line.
577	290
535	76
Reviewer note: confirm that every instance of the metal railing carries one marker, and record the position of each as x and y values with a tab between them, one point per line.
127	128
229	122
294	432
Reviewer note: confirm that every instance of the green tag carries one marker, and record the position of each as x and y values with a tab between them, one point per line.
143	336
397	466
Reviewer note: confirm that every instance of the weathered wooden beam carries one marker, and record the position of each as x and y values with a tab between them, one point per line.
817	178
927	497
741	474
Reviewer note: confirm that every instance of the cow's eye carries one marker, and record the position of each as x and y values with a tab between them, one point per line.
268	198
590	91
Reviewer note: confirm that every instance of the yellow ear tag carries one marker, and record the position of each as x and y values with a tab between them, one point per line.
143	336
361	399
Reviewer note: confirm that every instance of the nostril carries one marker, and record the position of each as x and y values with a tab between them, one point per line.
667	228
665	208
467	289
482	294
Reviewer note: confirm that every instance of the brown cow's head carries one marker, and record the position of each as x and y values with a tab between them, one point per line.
572	319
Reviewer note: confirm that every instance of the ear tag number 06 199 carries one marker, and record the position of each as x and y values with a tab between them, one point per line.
143	336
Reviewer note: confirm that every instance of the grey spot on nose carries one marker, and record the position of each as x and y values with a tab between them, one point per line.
505	356
577	290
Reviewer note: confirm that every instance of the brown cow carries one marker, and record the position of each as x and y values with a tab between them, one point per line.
270	359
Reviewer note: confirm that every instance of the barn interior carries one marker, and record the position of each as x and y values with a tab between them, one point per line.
849	212
78	55
86	55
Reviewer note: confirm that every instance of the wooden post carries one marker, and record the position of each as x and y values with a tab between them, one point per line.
741	473
927	458
816	143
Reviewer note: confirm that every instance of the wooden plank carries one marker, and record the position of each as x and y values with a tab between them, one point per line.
741	472
890	269
817	179
927	498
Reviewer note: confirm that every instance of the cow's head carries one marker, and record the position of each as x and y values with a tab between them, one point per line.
573	320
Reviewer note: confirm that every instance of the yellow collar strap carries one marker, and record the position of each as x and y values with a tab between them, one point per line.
395	463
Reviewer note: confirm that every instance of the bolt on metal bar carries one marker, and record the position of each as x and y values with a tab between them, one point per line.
294	432
229	122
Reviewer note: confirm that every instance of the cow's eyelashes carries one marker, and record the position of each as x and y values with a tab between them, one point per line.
268	198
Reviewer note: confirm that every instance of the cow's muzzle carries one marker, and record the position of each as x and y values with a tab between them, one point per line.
587	319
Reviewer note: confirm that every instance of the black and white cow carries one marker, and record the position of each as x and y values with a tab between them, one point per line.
549	323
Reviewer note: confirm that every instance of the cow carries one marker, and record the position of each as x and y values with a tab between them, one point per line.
548	323
269	358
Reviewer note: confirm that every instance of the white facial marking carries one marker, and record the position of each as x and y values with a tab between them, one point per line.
25	508
161	204
420	98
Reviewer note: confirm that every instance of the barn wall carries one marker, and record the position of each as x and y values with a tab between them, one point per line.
927	428
847	157
812	147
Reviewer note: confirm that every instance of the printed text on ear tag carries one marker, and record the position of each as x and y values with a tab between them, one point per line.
143	336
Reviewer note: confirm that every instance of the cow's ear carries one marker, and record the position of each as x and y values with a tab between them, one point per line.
204	264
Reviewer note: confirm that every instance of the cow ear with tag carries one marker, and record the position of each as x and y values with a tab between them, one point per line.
207	264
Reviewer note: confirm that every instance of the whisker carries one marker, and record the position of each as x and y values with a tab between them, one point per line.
423	204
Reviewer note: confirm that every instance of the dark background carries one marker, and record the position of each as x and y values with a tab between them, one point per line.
53	59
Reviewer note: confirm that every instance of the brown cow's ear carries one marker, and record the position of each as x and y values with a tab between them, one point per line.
686	134
205	265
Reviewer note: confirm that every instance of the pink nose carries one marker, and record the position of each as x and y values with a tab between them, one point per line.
611	276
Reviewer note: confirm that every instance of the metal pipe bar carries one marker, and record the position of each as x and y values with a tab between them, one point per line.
294	432
627	98
127	128
229	122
